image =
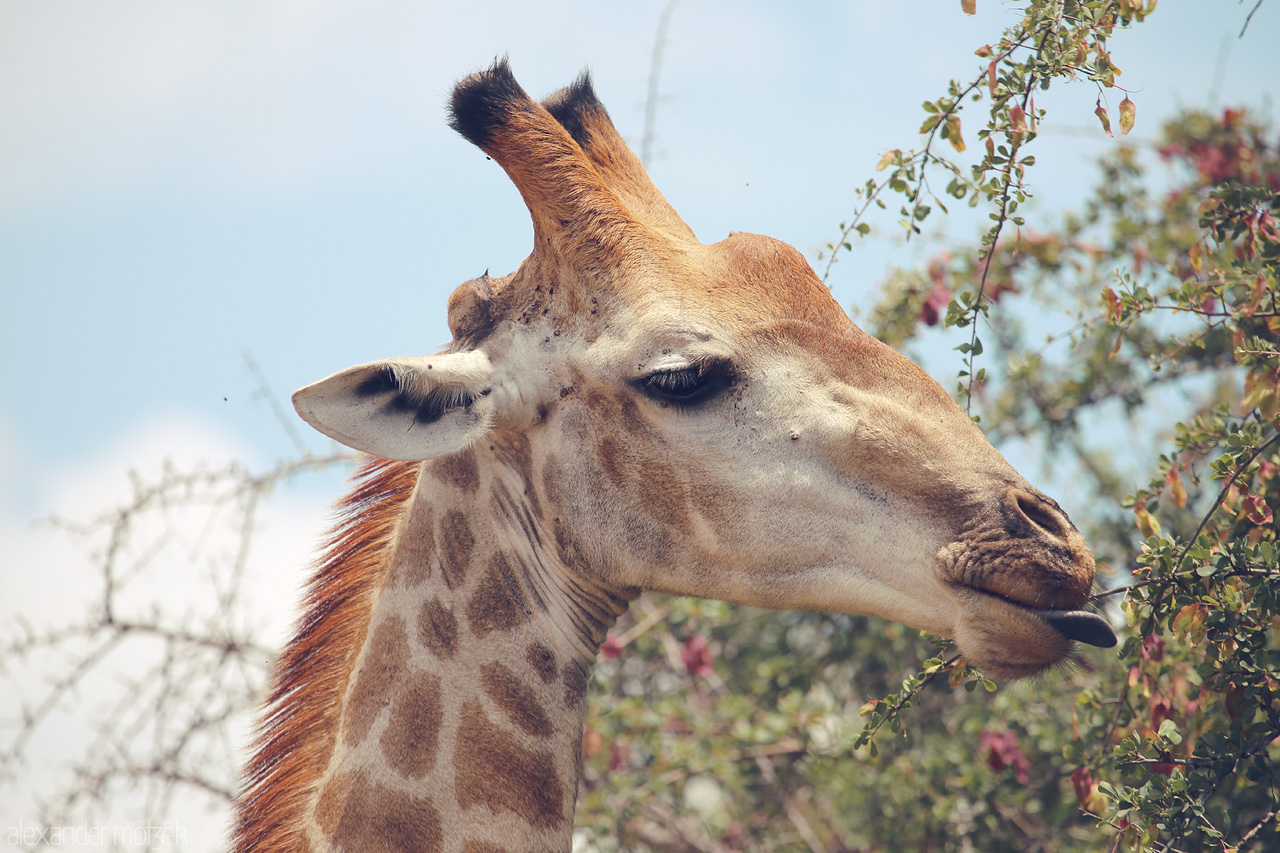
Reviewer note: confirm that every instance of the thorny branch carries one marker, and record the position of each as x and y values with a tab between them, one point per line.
175	679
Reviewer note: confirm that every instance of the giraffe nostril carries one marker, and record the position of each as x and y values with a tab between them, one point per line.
1048	519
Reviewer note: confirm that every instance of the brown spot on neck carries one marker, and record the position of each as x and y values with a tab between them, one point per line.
575	684
333	801
416	548
543	662
456	542
380	674
368	817
496	771
410	740
499	602
458	470
516	699
438	629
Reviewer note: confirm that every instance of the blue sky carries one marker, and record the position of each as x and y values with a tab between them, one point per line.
182	183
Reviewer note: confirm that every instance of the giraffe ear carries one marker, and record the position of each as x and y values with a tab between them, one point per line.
403	408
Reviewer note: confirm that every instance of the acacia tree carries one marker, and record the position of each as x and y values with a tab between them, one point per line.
1168	331
1168	328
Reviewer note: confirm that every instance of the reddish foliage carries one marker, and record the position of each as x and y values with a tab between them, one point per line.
935	305
675	725
1236	703
1256	510
697	656
734	835
592	743
619	757
1002	750
1082	782
1230	155
1161	710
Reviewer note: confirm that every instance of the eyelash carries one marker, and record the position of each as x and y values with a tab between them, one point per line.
687	386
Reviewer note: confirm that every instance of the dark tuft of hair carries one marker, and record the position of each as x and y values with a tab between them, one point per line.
426	409
439	402
481	102
573	104
381	382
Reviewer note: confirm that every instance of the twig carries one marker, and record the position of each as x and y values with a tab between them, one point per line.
169	724
848	229
1248	837
955	108
924	155
639	629
655	72
1249	17
1222	495
1001	218
869	733
287	421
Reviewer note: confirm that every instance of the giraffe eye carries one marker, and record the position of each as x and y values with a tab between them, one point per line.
687	385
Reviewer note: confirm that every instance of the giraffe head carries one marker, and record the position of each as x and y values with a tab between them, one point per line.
706	420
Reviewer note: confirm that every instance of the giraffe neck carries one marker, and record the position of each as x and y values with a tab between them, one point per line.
461	724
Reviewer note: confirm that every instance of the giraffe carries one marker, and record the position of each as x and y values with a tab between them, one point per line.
630	410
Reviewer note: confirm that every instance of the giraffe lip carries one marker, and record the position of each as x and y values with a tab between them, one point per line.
1081	625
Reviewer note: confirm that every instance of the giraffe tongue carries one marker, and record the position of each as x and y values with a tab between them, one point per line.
1080	625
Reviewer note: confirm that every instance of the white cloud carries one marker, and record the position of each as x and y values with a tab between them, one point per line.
103	97
174	562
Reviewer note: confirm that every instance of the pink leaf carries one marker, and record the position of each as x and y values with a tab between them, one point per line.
1017	119
935	305
697	655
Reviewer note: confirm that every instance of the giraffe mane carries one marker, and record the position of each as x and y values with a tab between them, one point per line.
297	731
